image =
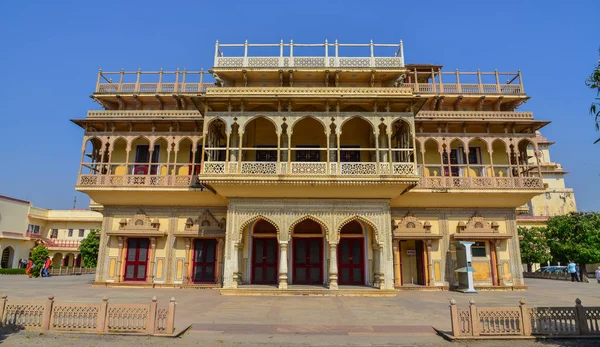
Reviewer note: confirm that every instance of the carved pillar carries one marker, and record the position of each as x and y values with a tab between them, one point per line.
235	262
278	168
381	266
186	264
219	264
234	144
376	140
383	156
119	275
240	154
332	147
491	154
283	265
375	265
150	273
397	264
227	152
499	269
333	266
430	264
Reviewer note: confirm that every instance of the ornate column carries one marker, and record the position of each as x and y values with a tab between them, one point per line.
430	264
491	154
375	265
186	264
240	140
380	266
150	273
333	268
234	260
332	147
278	168
283	265
219	264
499	269
376	138
397	264
284	144
234	144
119	271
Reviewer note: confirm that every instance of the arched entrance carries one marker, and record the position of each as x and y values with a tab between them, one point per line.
351	254
6	261
307	253
265	253
57	259
68	260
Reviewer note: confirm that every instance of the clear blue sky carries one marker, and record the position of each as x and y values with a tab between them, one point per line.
50	52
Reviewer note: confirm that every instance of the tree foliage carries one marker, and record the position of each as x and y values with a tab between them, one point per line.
576	237
89	249
39	255
593	82
534	245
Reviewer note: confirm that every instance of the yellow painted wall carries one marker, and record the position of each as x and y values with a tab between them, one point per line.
359	132
259	132
309	131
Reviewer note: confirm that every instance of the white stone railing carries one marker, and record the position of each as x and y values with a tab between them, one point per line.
315	62
474	114
459	88
132	114
135	181
309	90
308	168
104	317
445	182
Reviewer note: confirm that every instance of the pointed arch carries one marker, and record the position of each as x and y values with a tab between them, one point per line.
293	124
254	219
314	219
362	219
357	116
253	118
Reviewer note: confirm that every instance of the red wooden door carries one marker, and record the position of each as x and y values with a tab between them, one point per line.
264	260
204	260
136	261
351	261
308	260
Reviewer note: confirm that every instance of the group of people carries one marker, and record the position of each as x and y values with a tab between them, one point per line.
43	271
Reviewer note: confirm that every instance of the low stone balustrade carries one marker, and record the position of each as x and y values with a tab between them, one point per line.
149	319
523	321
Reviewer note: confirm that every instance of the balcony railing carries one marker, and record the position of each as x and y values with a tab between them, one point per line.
133	114
62	243
309	90
474	115
477	177
321	61
151	82
33	235
137	181
308	168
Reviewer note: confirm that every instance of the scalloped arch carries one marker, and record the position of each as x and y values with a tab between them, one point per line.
362	219
314	219
254	219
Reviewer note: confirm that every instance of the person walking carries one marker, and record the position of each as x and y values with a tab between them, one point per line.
598	274
573	271
29	268
47	265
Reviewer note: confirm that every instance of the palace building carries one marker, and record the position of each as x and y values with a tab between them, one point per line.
307	165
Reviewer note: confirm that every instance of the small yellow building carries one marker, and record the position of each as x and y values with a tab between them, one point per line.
326	170
23	226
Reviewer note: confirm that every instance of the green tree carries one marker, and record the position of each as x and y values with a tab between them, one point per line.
593	82
576	237
534	246
39	255
89	249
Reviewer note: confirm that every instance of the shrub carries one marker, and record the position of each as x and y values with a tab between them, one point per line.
12	271
38	255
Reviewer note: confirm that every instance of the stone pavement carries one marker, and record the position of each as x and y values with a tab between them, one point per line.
407	317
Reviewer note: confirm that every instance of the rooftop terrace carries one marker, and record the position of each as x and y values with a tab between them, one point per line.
287	59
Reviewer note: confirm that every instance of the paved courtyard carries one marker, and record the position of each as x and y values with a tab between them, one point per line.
406	319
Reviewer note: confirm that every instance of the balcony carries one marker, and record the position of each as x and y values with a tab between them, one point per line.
147	114
33	235
474	115
151	82
504	183
67	244
326	60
